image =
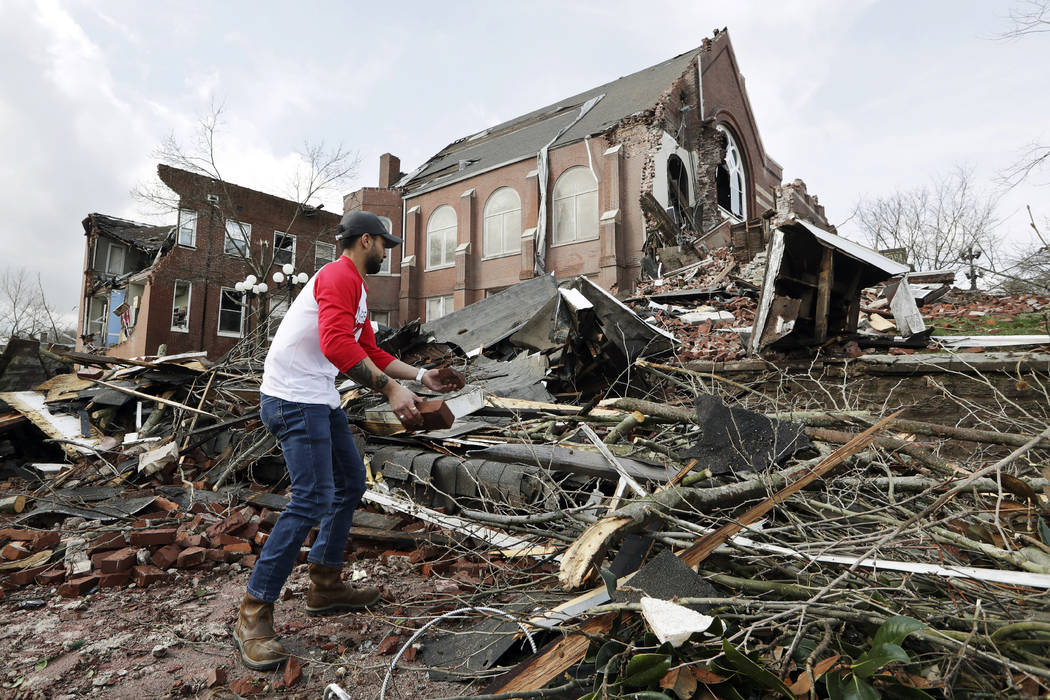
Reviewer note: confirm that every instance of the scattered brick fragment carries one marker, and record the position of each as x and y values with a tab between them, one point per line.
147	574
216	677
165	557
293	671
78	586
120	560
194	556
152	538
114	580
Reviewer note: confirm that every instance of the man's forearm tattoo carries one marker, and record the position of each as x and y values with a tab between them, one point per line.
364	376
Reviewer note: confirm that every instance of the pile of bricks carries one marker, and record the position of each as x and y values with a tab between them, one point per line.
160	542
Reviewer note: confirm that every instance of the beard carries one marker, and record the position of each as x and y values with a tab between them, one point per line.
374	263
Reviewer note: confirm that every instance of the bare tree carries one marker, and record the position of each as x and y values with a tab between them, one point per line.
321	169
23	307
1028	17
936	223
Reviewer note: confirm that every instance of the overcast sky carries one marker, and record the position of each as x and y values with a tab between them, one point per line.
857	98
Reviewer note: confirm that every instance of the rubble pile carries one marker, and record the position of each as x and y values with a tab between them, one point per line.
602	518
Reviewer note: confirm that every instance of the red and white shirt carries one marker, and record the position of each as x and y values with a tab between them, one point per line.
326	331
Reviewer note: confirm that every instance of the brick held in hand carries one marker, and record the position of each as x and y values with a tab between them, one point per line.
435	415
452	379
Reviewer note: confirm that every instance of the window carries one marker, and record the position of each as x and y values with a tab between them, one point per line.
180	307
231	313
385	269
115	259
188	228
441	238
324	253
677	187
575	206
439	306
283	248
502	223
97	316
730	179
238	234
278	309
381	317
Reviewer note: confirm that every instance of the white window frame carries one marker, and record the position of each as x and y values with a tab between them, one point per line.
244	234
189	301
448	305
273	321
281	234
101	318
390	252
735	169
445	232
318	247
575	196
233	294
109	258
382	317
188	222
499	219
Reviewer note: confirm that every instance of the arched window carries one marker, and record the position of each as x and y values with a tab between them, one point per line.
502	223
390	252
575	206
677	186
731	179
441	238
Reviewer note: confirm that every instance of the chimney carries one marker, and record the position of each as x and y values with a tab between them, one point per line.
389	170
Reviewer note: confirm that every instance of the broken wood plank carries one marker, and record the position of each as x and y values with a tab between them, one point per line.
150	397
820	332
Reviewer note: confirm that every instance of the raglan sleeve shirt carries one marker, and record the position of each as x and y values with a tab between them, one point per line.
342	317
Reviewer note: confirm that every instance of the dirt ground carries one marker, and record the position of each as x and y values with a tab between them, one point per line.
174	640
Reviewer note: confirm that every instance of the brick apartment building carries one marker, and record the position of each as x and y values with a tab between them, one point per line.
560	189
174	286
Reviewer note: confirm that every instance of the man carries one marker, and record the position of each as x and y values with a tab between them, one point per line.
326	331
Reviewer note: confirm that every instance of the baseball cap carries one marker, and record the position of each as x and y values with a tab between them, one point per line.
358	223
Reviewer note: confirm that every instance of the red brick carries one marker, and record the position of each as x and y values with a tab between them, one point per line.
218	555
227	526
222	539
388	645
238	548
248	531
435	415
52	578
166	505
410	654
165	557
268	518
198	507
293	671
46	540
194	556
77	586
249	560
15	551
26	576
261	537
114	580
146	575
186	539
110	540
216	677
17	534
119	561
151	538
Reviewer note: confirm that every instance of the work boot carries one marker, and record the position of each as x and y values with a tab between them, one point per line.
255	637
329	595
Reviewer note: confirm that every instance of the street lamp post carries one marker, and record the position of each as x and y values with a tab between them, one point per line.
285	278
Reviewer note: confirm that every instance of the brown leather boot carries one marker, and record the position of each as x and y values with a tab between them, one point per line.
329	595
255	637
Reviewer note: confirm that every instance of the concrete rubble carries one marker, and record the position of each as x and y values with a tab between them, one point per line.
777	441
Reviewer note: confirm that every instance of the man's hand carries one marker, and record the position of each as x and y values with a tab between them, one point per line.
444	380
404	403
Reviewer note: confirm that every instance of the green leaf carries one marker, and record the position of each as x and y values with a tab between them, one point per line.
753	671
610	581
895	630
849	688
42	664
648	695
1044	531
877	657
606	653
589	696
645	669
906	692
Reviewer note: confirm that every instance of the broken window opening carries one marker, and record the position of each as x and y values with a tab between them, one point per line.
324	253
390	252
115	259
238	234
278	309
180	306
439	306
96	318
502	223
731	179
231	313
678	189
575	210
283	248
441	238
380	317
187	228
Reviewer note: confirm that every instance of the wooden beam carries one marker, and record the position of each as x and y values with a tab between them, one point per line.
820	333
150	397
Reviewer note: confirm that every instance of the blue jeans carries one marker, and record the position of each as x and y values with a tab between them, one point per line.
328	480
